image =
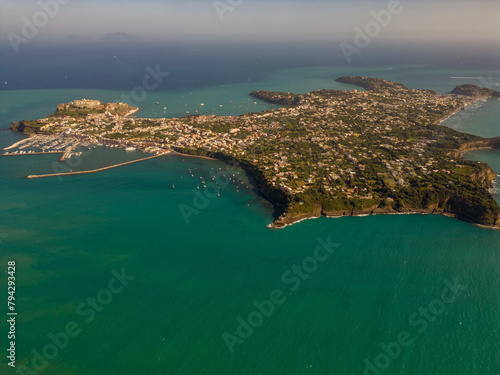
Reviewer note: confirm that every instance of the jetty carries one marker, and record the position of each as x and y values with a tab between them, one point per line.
67	153
32	153
16	144
95	170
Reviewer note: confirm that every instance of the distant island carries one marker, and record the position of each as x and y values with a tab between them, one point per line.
325	153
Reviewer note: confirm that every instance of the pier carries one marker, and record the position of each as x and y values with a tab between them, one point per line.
33	153
94	170
16	144
67	153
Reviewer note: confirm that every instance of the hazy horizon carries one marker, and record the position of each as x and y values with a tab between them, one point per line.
264	35
446	21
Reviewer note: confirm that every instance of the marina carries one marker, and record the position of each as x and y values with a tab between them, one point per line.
77	231
42	144
68	146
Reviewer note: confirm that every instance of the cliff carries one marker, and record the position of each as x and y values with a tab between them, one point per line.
460	207
325	153
483	143
26	127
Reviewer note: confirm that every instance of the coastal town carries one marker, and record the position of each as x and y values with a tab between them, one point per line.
325	152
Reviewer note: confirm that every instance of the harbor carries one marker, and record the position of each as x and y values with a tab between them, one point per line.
46	144
71	147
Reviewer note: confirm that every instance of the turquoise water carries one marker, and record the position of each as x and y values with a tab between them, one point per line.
31	104
193	280
478	120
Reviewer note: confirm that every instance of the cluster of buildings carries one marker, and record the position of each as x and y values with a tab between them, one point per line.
344	143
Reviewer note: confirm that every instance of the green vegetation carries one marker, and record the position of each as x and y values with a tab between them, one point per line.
76	113
327	152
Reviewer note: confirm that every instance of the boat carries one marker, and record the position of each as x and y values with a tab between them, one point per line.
173	186
130	149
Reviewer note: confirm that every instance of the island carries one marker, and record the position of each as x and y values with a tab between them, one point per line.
376	149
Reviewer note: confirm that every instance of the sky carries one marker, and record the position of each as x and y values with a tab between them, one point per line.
427	21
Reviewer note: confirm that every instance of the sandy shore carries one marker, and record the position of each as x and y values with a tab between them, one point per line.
462	109
451	114
463	152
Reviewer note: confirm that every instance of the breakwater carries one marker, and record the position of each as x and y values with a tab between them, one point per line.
93	170
33	153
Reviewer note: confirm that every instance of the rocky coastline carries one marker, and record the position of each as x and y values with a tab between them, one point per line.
288	219
308	167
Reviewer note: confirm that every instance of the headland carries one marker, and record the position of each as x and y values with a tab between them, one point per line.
324	153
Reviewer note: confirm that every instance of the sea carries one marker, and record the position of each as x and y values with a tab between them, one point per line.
135	270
